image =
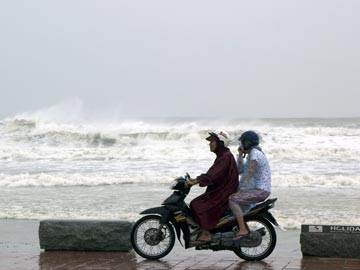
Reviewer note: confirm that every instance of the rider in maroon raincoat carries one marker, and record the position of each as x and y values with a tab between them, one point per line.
221	181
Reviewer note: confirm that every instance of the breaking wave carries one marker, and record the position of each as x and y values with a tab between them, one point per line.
46	145
59	179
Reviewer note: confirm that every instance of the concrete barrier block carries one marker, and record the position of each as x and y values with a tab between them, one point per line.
330	241
85	235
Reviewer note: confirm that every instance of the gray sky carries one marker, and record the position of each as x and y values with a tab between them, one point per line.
182	58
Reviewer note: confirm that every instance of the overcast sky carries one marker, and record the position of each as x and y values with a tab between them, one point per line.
182	58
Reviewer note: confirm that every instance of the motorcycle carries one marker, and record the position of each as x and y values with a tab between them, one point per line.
153	236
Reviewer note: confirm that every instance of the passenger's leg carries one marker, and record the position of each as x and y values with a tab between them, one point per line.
234	201
243	199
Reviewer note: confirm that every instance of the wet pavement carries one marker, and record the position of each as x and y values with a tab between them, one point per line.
190	260
20	250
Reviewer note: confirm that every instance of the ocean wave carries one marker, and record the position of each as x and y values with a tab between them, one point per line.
63	166
294	154
307	180
35	130
152	177
31	144
79	179
32	214
156	152
18	125
63	138
33	133
286	143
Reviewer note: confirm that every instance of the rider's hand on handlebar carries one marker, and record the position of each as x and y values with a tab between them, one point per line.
191	182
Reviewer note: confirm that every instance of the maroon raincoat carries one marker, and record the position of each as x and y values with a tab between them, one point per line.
221	181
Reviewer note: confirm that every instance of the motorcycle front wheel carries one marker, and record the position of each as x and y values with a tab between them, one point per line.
267	244
150	239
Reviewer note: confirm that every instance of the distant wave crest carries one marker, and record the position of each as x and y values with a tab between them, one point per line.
52	134
104	178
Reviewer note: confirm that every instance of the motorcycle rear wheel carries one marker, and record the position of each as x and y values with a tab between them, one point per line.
150	242
267	244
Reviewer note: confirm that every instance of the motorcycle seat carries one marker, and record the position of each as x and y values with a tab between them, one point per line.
263	204
228	215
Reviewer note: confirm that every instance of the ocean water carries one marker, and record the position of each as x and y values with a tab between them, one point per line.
76	168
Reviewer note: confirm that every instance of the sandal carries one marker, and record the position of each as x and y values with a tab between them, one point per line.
199	242
241	236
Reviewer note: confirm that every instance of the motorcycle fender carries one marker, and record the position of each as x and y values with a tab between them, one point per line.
160	210
166	216
269	217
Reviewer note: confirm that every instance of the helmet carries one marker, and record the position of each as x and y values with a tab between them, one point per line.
221	136
249	139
